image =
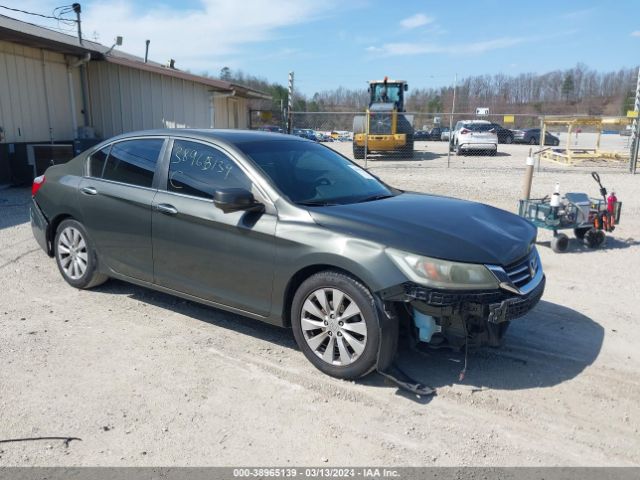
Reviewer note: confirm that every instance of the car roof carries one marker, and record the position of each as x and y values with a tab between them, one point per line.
233	137
475	121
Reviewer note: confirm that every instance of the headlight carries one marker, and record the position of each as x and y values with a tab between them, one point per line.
438	273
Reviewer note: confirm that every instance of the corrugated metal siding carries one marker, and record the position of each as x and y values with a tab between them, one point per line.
231	112
34	94
124	99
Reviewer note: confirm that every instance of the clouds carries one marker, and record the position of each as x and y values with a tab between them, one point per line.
635	33
199	38
415	21
423	41
406	48
209	34
579	15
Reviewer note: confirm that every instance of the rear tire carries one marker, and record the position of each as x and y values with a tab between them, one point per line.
533	141
76	256
594	238
508	139
337	325
458	150
580	232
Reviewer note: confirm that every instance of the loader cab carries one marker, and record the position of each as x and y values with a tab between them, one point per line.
388	91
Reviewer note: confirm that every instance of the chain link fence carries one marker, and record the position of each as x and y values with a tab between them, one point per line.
267	120
414	138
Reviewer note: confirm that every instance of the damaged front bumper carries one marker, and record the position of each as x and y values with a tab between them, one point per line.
474	318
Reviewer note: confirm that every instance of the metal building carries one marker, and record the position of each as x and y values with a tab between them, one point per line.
56	91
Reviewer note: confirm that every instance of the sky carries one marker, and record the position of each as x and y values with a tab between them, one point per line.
331	43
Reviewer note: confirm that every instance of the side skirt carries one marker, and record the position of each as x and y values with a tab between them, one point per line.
271	320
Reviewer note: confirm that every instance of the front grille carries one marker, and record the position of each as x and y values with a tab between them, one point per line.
380	124
521	272
516	307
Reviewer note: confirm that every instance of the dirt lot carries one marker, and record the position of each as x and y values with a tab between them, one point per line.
146	379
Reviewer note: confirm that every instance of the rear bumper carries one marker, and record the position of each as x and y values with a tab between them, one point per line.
479	146
39	226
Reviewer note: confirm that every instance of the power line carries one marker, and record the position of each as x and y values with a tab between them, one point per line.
66	31
40	15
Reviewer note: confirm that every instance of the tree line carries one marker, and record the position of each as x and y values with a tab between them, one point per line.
577	90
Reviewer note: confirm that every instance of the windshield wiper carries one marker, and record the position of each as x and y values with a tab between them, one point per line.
375	197
316	203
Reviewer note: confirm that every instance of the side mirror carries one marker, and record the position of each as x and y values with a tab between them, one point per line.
235	199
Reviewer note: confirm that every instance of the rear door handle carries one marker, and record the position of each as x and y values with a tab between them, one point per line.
89	190
166	209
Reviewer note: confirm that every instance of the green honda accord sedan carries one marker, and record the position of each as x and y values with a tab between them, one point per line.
288	231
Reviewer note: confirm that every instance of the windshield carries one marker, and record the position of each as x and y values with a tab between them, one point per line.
312	174
386	93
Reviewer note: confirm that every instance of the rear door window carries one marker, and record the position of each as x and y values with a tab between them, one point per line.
97	160
199	170
133	161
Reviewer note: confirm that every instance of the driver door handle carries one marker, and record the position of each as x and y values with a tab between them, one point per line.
166	209
89	190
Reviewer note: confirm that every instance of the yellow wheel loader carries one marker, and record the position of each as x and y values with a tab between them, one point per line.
384	127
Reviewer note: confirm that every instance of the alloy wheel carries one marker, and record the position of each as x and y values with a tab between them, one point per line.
333	326
72	253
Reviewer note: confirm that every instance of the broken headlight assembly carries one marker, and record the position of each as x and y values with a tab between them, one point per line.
444	274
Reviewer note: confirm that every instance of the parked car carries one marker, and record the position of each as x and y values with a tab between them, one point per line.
474	136
421	135
435	134
324	137
445	135
271	128
504	134
341	136
290	232
532	137
305	133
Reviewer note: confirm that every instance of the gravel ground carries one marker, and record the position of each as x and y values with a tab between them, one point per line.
142	378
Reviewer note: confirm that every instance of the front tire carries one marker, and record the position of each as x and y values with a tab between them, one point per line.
358	152
560	243
408	150
533	141
76	256
337	325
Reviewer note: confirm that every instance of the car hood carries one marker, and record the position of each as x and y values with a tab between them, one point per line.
434	226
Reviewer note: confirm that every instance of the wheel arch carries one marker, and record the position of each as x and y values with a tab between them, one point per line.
53	227
303	274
